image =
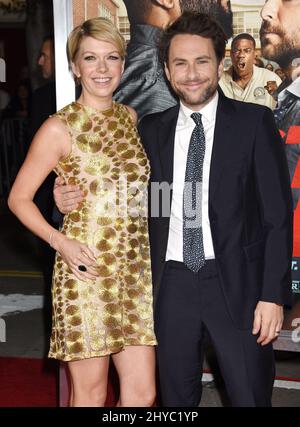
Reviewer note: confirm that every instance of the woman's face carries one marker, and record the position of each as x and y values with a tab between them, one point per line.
99	66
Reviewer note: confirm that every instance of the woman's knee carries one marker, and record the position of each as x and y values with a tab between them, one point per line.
89	395
138	397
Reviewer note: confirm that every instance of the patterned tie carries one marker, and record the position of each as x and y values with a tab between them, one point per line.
193	251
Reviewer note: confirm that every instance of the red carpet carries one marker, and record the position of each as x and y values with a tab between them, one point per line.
34	383
28	382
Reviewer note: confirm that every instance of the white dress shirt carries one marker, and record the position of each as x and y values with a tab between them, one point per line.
184	128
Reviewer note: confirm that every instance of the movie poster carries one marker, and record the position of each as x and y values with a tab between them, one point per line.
275	27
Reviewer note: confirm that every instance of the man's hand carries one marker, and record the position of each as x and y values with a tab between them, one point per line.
268	318
66	197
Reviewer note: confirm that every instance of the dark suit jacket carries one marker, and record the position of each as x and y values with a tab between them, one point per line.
250	204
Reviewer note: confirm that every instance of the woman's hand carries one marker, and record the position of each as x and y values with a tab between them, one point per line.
76	254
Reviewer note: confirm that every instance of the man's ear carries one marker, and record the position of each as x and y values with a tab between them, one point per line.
167	71
166	4
221	68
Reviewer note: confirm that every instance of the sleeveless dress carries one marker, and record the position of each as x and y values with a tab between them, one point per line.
108	162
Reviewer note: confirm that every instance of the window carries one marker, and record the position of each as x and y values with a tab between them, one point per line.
104	12
247	22
124	25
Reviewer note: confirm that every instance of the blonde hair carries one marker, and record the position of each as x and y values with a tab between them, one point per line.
98	28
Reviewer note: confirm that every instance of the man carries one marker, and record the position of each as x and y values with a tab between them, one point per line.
280	42
143	85
244	81
43	105
44	100
220	260
229	274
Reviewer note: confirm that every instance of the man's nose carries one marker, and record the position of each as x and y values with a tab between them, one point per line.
40	60
270	10
191	70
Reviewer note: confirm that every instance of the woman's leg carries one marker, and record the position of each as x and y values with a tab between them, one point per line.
136	369
89	381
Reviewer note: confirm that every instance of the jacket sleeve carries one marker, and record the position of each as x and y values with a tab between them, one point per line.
274	192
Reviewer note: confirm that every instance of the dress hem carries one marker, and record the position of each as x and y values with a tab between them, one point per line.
98	353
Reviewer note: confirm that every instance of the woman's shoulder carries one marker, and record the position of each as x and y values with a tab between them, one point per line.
127	109
73	107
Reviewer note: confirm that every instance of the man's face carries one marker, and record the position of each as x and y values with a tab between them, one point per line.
46	59
280	31
219	9
243	57
193	69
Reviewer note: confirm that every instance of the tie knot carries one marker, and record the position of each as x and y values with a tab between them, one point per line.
197	118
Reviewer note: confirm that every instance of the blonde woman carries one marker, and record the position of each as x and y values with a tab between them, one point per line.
102	292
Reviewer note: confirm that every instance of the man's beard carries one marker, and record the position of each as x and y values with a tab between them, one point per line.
205	96
212	8
284	52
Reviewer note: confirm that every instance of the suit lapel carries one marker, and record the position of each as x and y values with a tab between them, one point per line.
166	139
223	136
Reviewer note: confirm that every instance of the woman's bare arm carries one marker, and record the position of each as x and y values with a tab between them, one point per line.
50	144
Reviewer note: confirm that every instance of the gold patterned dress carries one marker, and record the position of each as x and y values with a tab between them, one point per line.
108	162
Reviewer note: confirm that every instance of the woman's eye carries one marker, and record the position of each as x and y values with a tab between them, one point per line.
89	58
113	57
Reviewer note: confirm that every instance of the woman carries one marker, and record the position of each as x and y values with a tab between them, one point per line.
102	293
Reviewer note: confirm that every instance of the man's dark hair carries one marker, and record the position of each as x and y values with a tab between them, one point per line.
198	24
48	37
138	10
243	36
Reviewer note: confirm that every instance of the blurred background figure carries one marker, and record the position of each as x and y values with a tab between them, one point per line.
19	105
269	66
244	81
280	72
258	62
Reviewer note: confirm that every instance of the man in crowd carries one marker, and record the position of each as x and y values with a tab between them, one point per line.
143	85
243	80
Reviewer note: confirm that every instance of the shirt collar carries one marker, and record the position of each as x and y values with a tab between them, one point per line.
208	112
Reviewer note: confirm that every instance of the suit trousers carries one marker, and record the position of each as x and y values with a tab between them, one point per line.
188	305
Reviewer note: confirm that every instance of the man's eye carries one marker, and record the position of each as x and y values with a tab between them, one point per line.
179	63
